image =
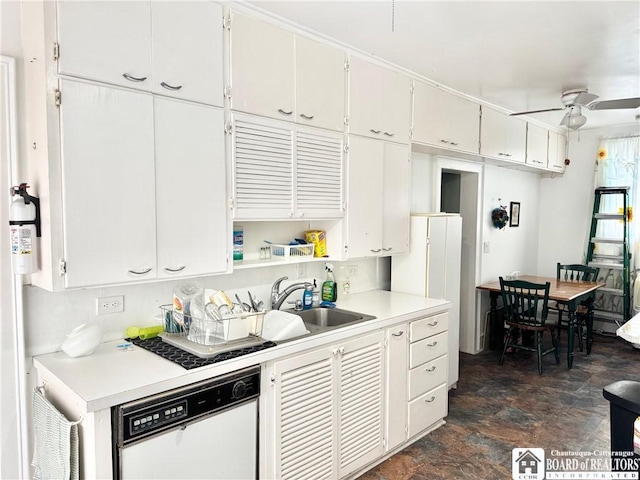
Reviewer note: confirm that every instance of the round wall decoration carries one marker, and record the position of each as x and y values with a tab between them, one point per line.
499	217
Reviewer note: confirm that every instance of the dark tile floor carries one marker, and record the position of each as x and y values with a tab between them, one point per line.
497	408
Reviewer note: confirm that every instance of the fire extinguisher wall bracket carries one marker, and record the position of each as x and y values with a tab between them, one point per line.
21	190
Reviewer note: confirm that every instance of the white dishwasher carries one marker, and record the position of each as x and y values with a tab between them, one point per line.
204	430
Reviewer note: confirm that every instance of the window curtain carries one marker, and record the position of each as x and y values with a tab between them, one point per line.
618	165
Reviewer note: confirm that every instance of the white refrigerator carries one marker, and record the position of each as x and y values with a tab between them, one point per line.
432	269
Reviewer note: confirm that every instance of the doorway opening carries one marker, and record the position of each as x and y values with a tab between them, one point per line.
458	189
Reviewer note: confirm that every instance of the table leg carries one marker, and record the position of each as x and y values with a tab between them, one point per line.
590	316
571	333
493	296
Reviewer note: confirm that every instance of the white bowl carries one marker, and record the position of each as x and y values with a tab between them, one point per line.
82	340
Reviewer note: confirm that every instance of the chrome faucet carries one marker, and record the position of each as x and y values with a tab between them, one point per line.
278	297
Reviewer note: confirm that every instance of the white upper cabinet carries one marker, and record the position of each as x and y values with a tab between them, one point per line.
365	202
445	120
286	171
378	203
191	204
278	74
379	102
106	41
557	152
170	48
108	179
320	85
396	199
502	136
187	50
537	145
262	68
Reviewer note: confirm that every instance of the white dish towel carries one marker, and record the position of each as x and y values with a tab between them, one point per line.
56	441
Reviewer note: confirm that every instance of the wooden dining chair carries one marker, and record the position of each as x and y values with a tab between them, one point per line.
574	273
526	308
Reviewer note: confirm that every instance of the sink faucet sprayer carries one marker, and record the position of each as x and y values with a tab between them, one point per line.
278	297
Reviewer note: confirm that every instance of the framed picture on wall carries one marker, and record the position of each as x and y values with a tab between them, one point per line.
514	217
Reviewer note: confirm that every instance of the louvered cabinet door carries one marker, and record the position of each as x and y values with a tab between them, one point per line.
319	174
305	389
361	402
262	169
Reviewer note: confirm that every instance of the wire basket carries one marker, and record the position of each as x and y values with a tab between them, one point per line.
287	252
209	331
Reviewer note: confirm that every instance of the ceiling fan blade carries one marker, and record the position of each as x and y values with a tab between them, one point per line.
565	119
536	111
584	98
615	104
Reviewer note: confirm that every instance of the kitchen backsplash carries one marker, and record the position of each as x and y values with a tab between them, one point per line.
50	316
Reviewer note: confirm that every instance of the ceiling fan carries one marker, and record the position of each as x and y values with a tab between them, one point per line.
577	98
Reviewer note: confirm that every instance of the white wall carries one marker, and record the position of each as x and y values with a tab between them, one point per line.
566	201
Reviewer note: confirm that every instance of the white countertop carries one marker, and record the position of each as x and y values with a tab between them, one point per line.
111	376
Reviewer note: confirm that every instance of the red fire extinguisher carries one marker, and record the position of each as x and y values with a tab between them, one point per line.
24	221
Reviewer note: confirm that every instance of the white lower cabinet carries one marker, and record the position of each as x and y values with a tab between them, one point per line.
339	409
328	409
397	351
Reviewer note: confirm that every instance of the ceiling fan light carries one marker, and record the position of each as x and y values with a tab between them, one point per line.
576	121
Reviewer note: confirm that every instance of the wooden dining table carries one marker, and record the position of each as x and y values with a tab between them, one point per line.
564	292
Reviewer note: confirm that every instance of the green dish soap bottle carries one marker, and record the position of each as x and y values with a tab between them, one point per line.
329	289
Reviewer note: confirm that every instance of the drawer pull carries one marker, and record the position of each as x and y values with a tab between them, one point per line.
433	324
399	334
429	400
374	131
389	134
431	369
142	272
174	270
170	87
432	344
133	79
285	113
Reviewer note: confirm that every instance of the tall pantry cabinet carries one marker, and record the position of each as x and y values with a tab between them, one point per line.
432	269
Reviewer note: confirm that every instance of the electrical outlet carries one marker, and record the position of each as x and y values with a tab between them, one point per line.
352	270
113	304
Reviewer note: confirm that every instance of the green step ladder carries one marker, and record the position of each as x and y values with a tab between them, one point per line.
612	256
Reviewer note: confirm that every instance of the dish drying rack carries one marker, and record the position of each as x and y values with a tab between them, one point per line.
207	336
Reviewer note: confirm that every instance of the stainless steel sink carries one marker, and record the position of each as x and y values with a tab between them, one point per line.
324	318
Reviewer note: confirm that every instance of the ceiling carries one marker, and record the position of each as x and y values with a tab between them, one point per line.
519	55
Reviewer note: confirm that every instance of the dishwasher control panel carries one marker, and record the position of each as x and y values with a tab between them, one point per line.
138	419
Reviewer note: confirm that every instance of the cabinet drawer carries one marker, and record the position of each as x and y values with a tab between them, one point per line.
428	326
427	376
427	409
427	349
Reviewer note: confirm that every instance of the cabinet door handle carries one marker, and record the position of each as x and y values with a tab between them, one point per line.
307	117
429	400
432	344
334	351
390	134
377	250
341	350
399	334
174	270
374	131
142	272
444	141
285	113
388	249
433	367
133	79
170	87
453	143
433	324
